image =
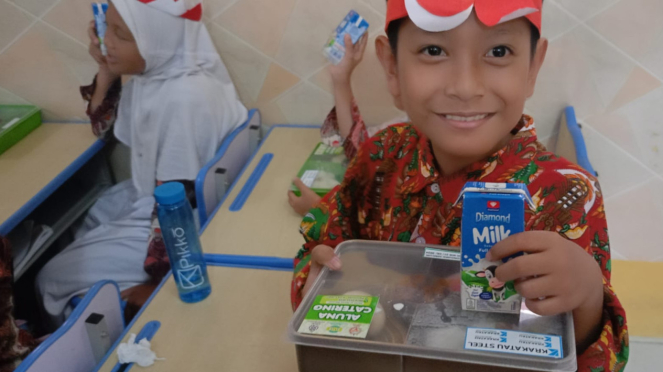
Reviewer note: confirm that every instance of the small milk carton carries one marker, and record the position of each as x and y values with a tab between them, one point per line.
491	213
352	24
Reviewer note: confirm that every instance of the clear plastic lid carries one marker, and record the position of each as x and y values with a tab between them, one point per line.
421	299
9	113
324	169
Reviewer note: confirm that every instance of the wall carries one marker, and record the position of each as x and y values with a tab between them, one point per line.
604	58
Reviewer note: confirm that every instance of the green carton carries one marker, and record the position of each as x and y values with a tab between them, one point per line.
323	170
16	122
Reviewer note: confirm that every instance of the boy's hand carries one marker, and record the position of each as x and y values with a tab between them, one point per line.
303	204
321	255
555	276
95	51
354	53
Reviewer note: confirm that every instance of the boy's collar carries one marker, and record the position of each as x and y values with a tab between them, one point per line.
427	171
436	15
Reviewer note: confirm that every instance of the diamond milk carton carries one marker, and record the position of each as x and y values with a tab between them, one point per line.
491	213
352	24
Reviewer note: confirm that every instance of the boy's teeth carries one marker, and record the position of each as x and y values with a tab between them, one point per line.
466	118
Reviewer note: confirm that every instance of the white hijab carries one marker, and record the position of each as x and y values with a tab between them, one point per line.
176	113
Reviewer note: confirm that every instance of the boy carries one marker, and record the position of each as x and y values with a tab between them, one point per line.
462	71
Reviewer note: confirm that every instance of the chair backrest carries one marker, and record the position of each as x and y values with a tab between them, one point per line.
69	348
570	142
219	173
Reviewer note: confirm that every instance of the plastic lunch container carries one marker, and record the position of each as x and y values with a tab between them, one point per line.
428	332
323	169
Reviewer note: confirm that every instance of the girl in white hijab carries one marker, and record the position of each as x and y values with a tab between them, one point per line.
174	112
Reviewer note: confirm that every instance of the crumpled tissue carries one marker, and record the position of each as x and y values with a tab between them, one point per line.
136	352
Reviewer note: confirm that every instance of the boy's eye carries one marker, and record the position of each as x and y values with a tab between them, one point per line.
499	52
433	50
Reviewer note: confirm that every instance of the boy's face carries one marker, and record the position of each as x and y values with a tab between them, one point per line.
123	55
465	88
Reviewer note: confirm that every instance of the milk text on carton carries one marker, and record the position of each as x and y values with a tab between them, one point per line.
491	213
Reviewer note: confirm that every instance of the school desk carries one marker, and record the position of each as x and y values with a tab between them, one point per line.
33	169
240	327
255	218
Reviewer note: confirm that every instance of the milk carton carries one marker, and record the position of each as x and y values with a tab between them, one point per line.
491	213
352	24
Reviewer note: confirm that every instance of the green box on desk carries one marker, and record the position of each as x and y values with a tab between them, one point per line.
323	170
16	122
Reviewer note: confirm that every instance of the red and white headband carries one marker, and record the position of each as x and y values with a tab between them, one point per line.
444	15
188	9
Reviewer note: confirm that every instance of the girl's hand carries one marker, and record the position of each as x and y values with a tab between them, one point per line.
95	51
354	53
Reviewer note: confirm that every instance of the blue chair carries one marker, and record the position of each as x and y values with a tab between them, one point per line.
71	348
571	143
215	178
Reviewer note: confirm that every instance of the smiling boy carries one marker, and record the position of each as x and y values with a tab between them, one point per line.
462	71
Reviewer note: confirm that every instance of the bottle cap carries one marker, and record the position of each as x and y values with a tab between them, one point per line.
170	193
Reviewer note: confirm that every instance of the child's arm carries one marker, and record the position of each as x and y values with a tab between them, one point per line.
341	75
345	120
331	222
560	277
569	270
103	95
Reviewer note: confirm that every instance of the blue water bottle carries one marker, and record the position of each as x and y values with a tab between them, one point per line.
182	243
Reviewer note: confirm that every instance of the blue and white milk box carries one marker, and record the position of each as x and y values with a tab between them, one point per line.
352	24
491	213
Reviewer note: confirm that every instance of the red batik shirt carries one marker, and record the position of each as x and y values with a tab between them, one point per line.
15	343
358	132
393	191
